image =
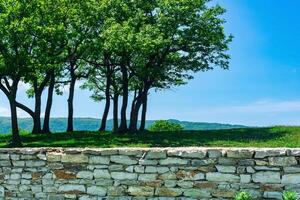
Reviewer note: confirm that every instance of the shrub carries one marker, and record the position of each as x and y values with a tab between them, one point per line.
164	125
243	196
289	196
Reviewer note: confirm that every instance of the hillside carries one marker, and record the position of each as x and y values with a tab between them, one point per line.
91	124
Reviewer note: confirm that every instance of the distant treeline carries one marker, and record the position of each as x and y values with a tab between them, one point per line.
92	124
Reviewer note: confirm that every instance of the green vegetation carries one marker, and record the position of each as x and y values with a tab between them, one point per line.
118	49
243	196
290	195
246	137
164	125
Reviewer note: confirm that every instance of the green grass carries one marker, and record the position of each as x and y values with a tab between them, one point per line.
247	137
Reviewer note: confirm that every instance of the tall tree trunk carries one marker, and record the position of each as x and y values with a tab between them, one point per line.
123	124
144	112
135	114
115	112
107	102
37	114
46	124
70	127
16	140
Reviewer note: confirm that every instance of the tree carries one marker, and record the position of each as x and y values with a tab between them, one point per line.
176	39
15	47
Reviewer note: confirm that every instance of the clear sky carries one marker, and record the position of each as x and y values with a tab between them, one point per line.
261	88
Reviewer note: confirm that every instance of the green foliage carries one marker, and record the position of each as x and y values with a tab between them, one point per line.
164	125
289	195
243	196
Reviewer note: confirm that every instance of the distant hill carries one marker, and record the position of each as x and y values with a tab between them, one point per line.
92	124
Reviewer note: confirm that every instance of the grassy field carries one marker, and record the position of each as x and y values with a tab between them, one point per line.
248	137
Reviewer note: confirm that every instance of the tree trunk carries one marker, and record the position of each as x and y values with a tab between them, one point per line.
70	127
46	125
144	112
135	114
107	103
123	125
11	93
115	112
37	114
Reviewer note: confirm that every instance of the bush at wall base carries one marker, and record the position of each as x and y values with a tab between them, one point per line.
289	196
243	196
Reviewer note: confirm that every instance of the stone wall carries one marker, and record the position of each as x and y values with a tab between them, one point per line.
159	173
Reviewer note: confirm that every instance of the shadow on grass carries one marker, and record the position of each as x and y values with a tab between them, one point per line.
233	137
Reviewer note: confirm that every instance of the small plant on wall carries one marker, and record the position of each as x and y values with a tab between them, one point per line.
243	196
290	196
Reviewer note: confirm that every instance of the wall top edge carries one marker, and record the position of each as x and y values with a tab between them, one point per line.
128	149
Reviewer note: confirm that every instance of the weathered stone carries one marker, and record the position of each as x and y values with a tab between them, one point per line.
18	163
226	169
123	176
141	191
99	160
4	156
85	175
72	189
31	163
227	161
173	161
246	162
245	178
250	170
74	158
224	193
62	174
291	179
291	169
266	177
125	160
197	193
167	176
199	163
185	184
115	168
156	155
266	168
206	185
148	162
240	153
116	191
168	192
139	169
214	153
96	190
102	174
147	177
187	154
271	187
189	175
272	195
269	152
170	183
282	161
131	152
220	177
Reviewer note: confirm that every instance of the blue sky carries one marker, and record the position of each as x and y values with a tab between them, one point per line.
261	88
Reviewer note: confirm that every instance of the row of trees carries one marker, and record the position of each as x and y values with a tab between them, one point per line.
118	48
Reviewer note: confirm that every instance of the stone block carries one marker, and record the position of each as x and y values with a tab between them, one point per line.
266	177
140	191
220	177
125	160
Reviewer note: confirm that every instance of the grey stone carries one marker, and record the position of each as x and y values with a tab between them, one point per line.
220	177
226	169
123	176
74	158
147	177
240	153
269	152
291	179
85	175
71	188
282	161
173	161
102	174
197	193
156	155
266	177
121	159
99	160
96	190
272	195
